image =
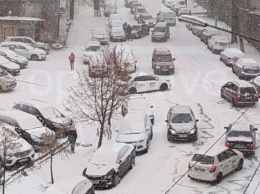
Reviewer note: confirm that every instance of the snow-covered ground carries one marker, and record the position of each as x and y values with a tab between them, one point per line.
197	81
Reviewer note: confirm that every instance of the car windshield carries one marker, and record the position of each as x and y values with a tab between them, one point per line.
203	159
148	17
181	118
163	58
51	112
92	48
3	73
159	29
27	123
103	158
136	27
249	90
235	133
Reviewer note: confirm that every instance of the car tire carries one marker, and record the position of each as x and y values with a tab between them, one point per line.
132	163
163	87
35	57
221	94
240	165
116	180
132	90
218	179
234	103
239	75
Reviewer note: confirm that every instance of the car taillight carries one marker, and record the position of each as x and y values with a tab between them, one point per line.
213	169
238	96
189	165
256	96
251	146
228	145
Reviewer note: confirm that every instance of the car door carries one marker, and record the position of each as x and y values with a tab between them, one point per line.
151	83
224	163
232	160
21	50
140	83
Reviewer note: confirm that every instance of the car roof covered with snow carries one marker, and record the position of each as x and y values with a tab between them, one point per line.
67	185
16	43
257	80
248	62
240	127
214	151
233	52
243	83
162	51
181	109
93	43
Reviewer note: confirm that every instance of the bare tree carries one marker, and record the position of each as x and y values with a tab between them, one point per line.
99	92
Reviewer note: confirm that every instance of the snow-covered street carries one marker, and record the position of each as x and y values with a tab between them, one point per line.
198	77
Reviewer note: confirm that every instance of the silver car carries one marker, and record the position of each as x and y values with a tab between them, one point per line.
12	56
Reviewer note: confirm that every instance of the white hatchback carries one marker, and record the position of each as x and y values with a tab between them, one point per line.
215	164
91	50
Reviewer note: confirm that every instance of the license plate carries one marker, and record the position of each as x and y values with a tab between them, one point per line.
164	69
95	181
23	160
183	135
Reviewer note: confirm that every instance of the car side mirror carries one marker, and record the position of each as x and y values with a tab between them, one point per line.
228	127
166	121
173	59
119	161
197	120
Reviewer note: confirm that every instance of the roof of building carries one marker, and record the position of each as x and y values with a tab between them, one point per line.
17	18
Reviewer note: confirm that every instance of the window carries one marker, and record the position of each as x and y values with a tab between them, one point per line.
203	159
140	78
34	111
229	153
222	157
150	78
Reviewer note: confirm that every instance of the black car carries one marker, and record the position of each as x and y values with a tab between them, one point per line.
239	93
140	30
48	115
241	137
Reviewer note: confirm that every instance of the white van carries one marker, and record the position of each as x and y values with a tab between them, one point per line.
7	81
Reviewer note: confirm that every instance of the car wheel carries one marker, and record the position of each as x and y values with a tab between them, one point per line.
132	90
221	94
116	180
234	103
218	178
34	57
132	162
163	87
213	50
240	164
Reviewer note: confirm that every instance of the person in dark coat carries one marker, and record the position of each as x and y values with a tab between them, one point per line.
125	26
72	137
129	33
72	59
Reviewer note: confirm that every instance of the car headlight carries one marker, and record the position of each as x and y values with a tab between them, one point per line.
193	131
172	66
109	175
172	131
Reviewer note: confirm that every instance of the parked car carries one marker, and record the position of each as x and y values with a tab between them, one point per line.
241	137
246	68
28	40
115	23
140	30
256	82
215	164
147	19
134	104
183	11
128	2
218	44
9	66
26	50
7	81
27	126
207	34
230	55
13	57
136	129
133	6
16	151
139	11
162	61
47	114
166	16
117	34
161	32
181	124
143	82
239	93
189	26
91	50
114	16
109	164
197	30
100	34
71	185
168	3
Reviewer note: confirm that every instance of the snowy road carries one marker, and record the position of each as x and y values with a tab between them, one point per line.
197	81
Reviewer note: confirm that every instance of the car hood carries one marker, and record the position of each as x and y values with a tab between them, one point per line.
61	120
158	33
98	170
164	63
182	127
135	31
129	137
10	65
240	139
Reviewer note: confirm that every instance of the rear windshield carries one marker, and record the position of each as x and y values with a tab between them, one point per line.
249	90
159	29
163	58
239	134
203	159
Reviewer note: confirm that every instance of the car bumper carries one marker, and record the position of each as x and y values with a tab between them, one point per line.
20	160
135	35
9	86
100	182
182	137
209	177
249	75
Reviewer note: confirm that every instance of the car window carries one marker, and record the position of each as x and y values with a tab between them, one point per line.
203	159
222	157
181	118
25	108
140	78
169	115
9	121
229	153
26	40
21	47
34	111
2	54
150	78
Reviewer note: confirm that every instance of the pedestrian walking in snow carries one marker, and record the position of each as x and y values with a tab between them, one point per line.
129	33
72	59
72	137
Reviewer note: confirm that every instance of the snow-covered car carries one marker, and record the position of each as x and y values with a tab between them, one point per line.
23	49
215	164
9	66
147	19
166	16
27	126
136	129
115	23
71	185
100	34
246	68
128	2
197	30
256	82
218	44
117	34
91	50
144	82
230	55
138	12
241	137
7	81
134	5
140	30
12	56
47	114
161	32
134	104
181	124
183	11
207	34
109	164
16	151
28	40
114	16
239	93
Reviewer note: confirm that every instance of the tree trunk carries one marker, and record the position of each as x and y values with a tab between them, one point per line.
101	133
234	21
241	42
52	179
72	5
97	12
3	184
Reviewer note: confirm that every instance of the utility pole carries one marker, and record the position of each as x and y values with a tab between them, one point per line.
72	4
97	12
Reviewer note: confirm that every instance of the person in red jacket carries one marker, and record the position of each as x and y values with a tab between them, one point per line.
72	59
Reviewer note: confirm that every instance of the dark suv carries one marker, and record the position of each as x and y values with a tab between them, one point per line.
242	138
239	93
162	61
48	115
